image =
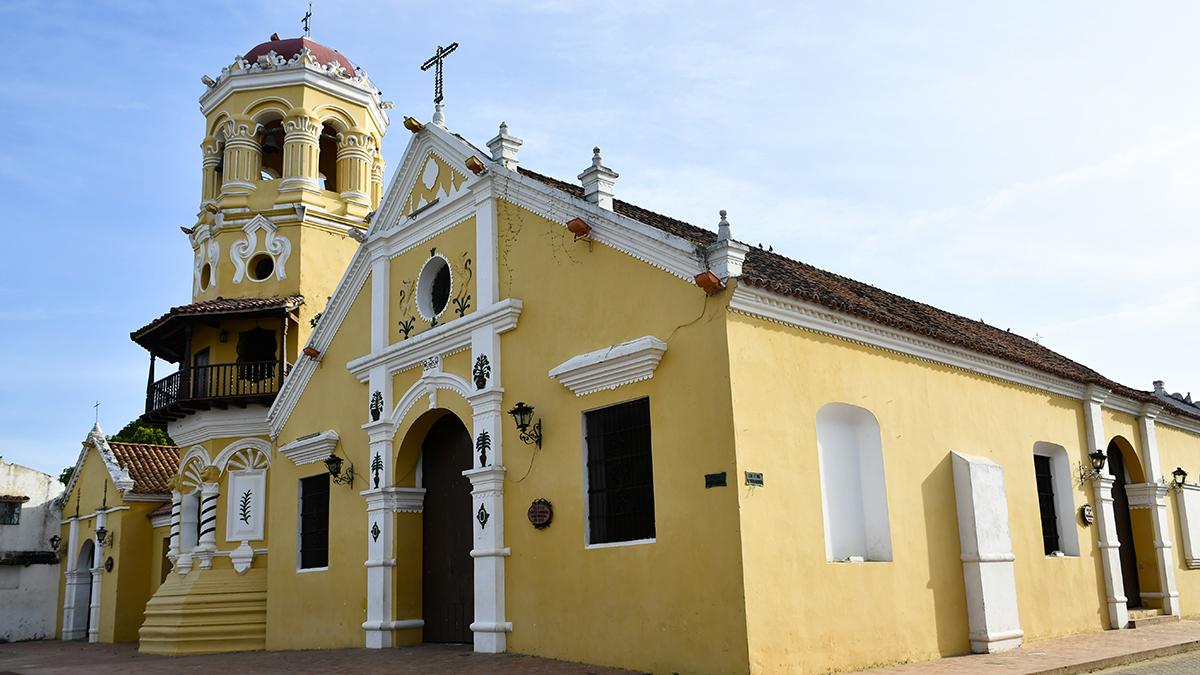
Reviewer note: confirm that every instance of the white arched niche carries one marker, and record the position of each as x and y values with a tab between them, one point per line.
853	493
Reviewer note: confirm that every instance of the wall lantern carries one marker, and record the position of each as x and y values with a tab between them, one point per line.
334	464
1178	478
1097	459
531	432
101	535
55	541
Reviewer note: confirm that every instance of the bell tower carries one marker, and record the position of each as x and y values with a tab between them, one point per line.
291	173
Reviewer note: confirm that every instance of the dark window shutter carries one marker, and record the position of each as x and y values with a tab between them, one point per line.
1045	492
314	521
620	473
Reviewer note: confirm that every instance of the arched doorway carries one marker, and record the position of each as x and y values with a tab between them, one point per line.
82	590
1122	473
448	572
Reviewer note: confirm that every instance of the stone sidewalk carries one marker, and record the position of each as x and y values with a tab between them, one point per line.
1075	654
52	656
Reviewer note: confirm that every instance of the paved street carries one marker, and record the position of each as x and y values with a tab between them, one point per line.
1180	664
54	657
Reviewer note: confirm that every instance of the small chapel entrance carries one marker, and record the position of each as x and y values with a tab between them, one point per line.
1124	522
82	590
448	572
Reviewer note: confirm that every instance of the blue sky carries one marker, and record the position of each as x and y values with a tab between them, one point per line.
1033	165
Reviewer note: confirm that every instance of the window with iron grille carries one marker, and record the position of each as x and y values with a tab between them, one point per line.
10	513
1045	492
620	473
314	521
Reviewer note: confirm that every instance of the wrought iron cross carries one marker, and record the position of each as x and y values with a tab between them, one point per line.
307	17
97	407
435	62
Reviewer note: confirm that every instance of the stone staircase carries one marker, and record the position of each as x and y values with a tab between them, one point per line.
207	611
1142	617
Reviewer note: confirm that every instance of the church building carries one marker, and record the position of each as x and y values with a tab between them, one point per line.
483	405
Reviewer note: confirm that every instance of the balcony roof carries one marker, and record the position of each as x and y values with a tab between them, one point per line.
156	335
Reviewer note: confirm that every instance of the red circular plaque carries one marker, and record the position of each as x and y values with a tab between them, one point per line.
541	512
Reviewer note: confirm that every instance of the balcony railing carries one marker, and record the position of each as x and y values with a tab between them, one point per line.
216	385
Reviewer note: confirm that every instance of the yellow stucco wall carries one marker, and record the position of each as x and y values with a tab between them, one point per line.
125	590
913	607
336	594
1178	448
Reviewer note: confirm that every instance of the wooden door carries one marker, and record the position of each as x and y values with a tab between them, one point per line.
448	572
201	377
1129	564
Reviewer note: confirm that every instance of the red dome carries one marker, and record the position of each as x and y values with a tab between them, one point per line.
292	46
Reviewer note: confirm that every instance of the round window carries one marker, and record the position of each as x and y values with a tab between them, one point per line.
433	287
261	267
205	277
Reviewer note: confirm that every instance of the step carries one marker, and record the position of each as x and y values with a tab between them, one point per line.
1152	620
1143	612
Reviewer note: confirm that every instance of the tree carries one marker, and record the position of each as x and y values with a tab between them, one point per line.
65	476
135	432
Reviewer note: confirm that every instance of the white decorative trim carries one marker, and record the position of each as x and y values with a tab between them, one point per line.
120	477
396	499
246	453
611	367
163	520
1146	495
242	557
447	338
275	244
311	448
1187	503
424	292
297	71
205	425
790	311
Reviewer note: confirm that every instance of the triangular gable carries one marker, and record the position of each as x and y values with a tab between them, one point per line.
97	441
394	227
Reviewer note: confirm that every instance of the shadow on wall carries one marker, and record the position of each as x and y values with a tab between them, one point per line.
945	560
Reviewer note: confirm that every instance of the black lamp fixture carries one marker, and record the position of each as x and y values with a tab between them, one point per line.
55	540
334	464
1098	457
1178	478
101	535
531	432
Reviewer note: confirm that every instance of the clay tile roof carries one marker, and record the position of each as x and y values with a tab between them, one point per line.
14	498
289	47
785	276
222	306
150	466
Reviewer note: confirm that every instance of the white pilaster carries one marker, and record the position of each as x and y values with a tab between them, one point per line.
380	294
380	570
97	573
1106	523
987	554
73	580
487	493
487	282
1152	465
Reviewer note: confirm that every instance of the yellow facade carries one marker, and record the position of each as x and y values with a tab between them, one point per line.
473	286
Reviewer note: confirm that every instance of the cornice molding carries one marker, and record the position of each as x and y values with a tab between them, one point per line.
311	448
205	425
396	499
447	338
611	367
360	92
764	304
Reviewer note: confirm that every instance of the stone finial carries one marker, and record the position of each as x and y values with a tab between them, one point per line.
504	148
598	182
1160	387
439	114
723	233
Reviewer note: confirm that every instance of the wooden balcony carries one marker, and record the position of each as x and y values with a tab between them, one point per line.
219	386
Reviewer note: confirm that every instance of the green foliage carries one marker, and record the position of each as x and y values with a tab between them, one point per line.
65	476
135	432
